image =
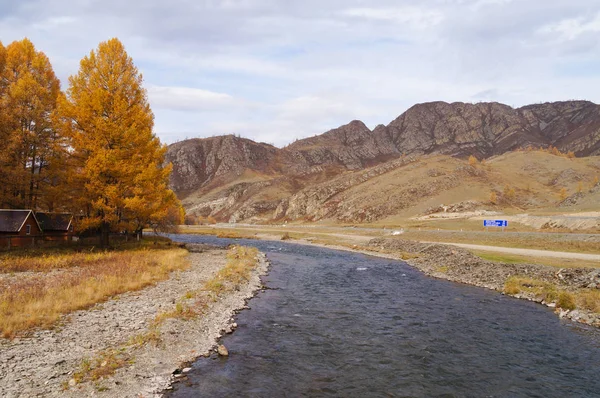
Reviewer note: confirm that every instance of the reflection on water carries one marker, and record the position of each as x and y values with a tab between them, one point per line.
348	325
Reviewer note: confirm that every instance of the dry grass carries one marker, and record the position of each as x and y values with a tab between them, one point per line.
518	259
48	259
566	300
241	261
152	336
541	290
535	287
589	299
40	301
104	365
182	310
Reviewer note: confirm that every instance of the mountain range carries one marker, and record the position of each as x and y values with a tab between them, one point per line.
204	169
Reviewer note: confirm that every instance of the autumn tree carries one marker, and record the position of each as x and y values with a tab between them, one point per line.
473	161
508	193
3	133
31	150
119	180
563	194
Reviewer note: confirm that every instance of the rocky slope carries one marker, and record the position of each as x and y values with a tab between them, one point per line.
197	162
353	146
228	176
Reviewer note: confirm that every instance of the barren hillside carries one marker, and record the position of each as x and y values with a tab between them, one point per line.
413	186
353	174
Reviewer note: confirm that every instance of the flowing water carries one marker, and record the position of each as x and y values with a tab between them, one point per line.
340	324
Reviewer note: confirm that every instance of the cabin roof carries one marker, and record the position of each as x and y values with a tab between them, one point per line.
13	220
54	221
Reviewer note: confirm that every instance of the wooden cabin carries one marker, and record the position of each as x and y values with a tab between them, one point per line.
55	226
18	228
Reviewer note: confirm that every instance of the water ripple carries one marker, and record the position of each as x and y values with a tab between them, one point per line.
327	330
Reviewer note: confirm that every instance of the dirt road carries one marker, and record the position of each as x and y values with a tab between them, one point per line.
525	252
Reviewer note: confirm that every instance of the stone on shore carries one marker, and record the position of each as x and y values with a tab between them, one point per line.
222	350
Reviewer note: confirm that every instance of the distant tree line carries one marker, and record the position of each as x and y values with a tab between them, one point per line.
89	150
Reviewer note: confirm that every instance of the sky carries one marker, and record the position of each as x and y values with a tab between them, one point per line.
276	71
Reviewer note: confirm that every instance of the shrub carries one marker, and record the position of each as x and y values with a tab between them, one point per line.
473	161
589	300
508	193
565	300
535	287
563	194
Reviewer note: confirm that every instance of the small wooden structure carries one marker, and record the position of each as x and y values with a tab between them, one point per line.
18	228
55	226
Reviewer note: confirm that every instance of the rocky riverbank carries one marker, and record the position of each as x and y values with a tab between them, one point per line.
46	363
459	265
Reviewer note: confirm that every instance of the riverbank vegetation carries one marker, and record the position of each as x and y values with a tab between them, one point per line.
241	260
584	299
520	259
73	281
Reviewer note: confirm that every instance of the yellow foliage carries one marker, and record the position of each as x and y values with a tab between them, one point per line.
123	182
508	193
563	194
473	161
493	198
30	150
540	289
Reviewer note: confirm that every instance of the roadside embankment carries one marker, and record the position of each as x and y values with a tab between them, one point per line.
574	292
132	344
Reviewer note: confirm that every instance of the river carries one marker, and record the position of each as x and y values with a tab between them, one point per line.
340	324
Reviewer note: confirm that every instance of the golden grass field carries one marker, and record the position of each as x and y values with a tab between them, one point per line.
67	281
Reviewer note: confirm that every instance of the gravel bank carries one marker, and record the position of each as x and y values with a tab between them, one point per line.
43	364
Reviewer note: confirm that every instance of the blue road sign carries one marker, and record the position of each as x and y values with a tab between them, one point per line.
495	223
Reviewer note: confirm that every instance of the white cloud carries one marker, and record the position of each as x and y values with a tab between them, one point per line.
279	70
414	16
187	99
570	29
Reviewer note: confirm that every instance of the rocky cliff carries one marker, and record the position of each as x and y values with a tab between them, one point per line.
353	146
212	164
198	162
